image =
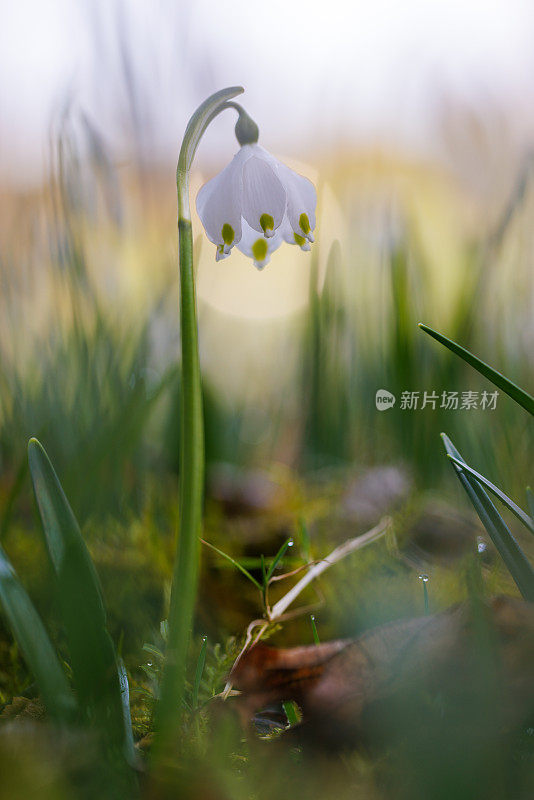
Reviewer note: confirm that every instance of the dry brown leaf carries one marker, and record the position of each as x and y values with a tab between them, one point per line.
343	686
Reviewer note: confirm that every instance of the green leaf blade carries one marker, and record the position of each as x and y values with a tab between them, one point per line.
199	672
235	563
94	663
278	557
33	640
523	398
508	548
513	507
125	697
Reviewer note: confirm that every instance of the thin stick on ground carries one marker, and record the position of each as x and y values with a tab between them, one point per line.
321	566
277	613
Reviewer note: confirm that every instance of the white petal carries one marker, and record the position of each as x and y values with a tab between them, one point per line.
219	202
289	235
221	252
256	246
264	197
301	201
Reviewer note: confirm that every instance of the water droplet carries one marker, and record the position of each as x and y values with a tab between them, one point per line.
424	578
312	616
290	543
481	545
149	663
204	638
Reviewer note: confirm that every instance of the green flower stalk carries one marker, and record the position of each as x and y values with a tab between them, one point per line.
184	586
256	202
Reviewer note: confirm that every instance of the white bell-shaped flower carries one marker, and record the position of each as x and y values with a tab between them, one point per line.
257	202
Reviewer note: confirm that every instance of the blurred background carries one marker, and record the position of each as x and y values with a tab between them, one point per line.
416	123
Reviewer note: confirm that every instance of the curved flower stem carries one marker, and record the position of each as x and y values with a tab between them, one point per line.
184	586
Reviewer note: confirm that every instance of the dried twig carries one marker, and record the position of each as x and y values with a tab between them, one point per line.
321	566
277	613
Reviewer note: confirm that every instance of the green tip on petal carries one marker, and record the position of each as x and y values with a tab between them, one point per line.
228	234
304	223
300	240
267	224
259	249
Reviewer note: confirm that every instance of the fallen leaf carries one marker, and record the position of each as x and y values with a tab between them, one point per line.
429	668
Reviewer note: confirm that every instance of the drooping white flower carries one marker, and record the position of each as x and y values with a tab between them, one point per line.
257	202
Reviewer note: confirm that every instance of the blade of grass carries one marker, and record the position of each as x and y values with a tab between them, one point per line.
519	513
199	671
511	389
125	696
424	580
36	647
316	639
291	712
508	548
264	586
154	651
321	566
277	558
236	564
93	658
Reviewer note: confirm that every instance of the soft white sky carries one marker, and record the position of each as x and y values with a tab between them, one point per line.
370	70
